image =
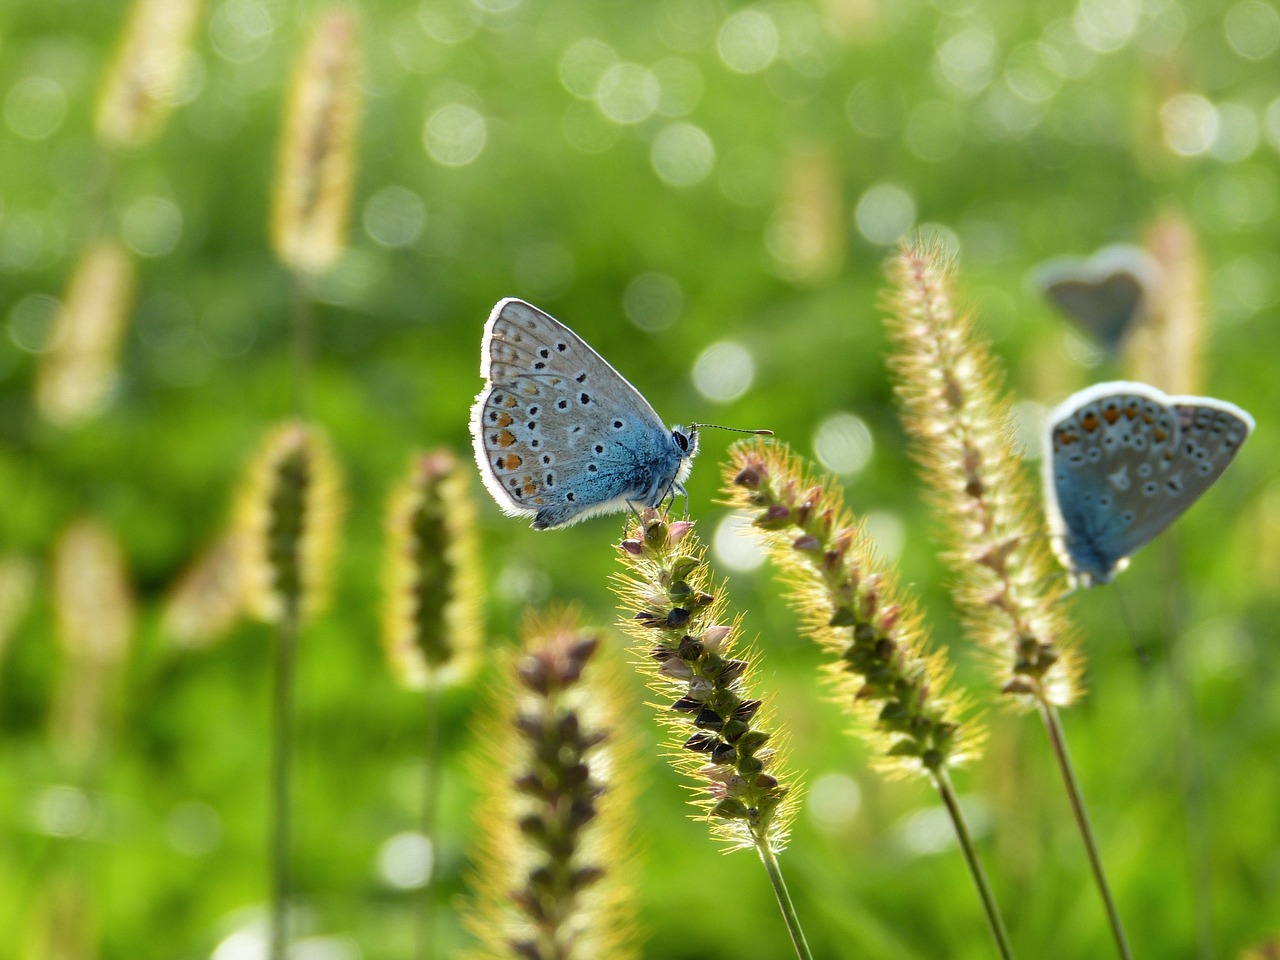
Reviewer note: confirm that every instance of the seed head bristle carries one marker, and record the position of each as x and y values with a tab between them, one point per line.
556	844
432	603
722	737
852	606
316	169
1007	585
288	514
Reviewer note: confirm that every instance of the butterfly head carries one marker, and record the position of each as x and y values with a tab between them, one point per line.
686	441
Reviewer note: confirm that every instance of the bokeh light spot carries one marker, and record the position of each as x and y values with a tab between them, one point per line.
884	213
681	85
63	811
682	155
394	216
151	226
653	301
834	801
1190	124
1253	29
35	107
735	544
31	322
843	443
454	135
582	65
724	371
887	532
627	93
241	30
748	41
405	861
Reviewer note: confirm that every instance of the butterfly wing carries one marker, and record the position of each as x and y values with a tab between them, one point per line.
1105	309
558	433
1126	461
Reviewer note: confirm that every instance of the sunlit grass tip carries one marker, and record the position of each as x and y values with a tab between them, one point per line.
78	372
852	606
316	168
431	624
288	517
557	823
207	598
146	73
94	612
722	737
958	421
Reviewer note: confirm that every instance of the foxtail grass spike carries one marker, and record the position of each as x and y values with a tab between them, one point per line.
207	599
959	425
287	524
557	819
853	608
145	75
432	607
316	168
806	236
94	611
77	373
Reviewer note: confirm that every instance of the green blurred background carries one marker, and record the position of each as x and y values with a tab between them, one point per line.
706	192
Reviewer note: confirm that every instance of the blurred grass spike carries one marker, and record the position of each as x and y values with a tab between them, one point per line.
207	598
959	422
17	584
78	371
432	592
557	819
94	611
807	232
855	611
62	921
316	168
288	518
146	72
1167	348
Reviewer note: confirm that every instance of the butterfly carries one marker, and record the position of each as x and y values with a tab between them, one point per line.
1123	461
1104	295
559	435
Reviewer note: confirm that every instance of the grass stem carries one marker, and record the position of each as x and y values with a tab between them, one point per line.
788	909
281	762
430	797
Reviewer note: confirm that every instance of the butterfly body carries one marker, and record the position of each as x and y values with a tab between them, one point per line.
559	434
1123	461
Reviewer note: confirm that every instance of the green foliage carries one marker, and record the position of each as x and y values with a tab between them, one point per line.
997	123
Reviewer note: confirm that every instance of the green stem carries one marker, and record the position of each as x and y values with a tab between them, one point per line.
784	898
1059	742
281	760
302	309
994	920
430	795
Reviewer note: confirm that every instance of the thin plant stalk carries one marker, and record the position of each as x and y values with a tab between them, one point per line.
789	917
970	851
281	764
302	311
430	800
1058	741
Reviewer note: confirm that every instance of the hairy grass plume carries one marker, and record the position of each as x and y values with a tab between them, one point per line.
316	168
77	373
145	76
1006	583
806	234
288	517
432	608
557	821
853	608
94	612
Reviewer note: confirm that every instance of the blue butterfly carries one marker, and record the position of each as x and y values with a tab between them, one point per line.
1105	295
559	435
1123	461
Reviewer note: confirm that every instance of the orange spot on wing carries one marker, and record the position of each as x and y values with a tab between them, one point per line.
1111	415
1160	435
1089	422
1131	411
511	402
505	420
513	461
503	438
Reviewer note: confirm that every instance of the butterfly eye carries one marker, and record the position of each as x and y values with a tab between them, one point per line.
681	440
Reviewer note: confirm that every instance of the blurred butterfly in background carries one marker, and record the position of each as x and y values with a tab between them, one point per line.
1105	295
559	435
1123	461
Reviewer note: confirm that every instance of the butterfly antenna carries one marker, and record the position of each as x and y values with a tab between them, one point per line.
716	426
